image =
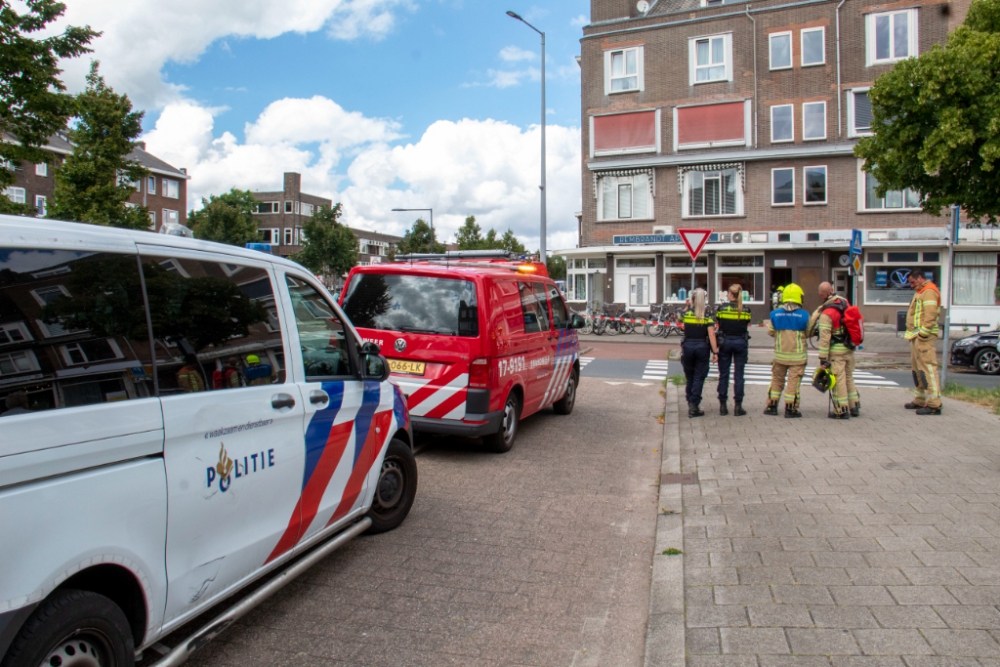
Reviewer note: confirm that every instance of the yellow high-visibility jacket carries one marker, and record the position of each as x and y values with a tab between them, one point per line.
922	317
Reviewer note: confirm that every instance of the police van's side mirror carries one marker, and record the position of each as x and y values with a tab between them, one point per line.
577	321
374	367
370	348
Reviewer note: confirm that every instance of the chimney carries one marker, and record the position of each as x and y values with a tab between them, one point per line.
184	170
141	144
293	184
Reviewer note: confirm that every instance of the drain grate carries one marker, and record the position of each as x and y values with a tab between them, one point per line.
680	478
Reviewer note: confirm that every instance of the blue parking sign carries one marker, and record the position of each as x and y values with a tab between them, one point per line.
855	241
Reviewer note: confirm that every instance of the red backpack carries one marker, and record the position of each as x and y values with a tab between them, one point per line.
853	322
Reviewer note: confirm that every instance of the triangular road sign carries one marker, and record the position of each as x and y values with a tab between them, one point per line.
694	240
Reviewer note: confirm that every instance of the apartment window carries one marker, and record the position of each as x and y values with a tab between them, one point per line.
152	219
268	207
90	351
308	209
288	235
41	205
814	186
625	197
288	206
781	50
170	217
151	185
782	187
782	123
18	362
891	36
16	195
171	189
712	193
859	113
711	59
813	47
42	169
623	70
270	236
16	332
712	125
814	120
620	133
48	295
898	200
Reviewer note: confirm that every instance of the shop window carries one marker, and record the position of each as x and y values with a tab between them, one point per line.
975	278
887	283
678	285
636	262
577	287
752	283
597	263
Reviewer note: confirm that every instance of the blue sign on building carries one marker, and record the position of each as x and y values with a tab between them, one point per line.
640	239
855	241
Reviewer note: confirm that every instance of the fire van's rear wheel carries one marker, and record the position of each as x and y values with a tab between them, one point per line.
74	629
503	440
564	406
396	488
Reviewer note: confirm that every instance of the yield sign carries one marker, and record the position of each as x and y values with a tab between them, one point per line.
694	240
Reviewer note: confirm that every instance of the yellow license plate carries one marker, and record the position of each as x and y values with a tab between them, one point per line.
407	367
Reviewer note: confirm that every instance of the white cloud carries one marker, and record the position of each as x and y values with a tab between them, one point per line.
488	168
515	53
141	36
579	21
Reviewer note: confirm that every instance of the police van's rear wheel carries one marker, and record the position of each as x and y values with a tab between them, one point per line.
564	406
503	440
74	629
396	488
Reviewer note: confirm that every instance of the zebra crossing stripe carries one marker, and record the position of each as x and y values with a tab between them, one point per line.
656	369
584	361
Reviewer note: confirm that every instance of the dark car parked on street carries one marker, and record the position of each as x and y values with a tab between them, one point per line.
979	351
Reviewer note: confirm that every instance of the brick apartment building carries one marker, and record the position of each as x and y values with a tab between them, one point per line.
163	192
280	213
742	118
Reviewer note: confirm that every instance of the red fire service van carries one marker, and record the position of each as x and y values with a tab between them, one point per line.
477	340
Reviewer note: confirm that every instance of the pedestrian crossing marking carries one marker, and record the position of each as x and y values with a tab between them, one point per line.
584	361
760	375
656	369
637	384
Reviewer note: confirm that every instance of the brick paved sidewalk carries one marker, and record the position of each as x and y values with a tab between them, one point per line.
873	542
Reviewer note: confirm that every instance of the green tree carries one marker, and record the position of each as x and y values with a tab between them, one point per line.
556	265
329	248
33	101
94	183
419	239
510	243
491	241
935	121
469	235
227	218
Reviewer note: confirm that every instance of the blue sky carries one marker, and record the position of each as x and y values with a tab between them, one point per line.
378	103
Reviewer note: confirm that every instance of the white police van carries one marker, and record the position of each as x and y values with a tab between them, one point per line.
177	419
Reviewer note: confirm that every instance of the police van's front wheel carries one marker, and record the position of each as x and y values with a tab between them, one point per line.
74	628
395	490
564	406
503	440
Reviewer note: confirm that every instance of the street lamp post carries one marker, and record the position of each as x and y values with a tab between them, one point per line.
541	239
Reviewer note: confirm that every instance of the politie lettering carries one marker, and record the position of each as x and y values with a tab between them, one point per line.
249	465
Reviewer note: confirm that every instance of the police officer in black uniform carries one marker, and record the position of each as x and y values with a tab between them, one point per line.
699	341
732	321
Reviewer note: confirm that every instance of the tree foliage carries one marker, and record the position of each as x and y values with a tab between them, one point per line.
419	239
33	101
936	121
470	237
226	218
556	264
328	247
94	183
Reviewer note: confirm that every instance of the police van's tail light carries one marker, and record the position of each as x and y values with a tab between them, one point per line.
479	373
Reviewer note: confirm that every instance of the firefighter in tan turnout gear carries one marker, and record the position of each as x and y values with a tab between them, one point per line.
835	354
922	332
787	325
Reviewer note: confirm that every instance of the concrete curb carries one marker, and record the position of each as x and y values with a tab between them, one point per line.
665	629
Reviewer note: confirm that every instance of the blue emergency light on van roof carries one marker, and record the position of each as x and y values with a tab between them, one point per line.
262	247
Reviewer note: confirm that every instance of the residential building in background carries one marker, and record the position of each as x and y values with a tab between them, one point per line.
743	119
163	192
280	214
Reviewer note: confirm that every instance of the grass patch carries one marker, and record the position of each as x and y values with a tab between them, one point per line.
987	398
678	380
660	419
672	552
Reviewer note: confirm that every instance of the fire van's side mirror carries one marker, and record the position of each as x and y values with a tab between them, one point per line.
374	367
577	322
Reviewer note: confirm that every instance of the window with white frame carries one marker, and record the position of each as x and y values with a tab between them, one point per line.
13	363
42	169
171	188
623	70
625	197
814	185
711	59
859	113
780	47
975	278
16	195
886	274
783	186
91	351
813	46
288	235
813	121
14	332
41	205
712	193
745	270
308	209
270	235
268	207
894	200
151	185
49	294
891	36
782	123
170	217
152	219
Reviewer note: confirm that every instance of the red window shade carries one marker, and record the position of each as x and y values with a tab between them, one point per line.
625	131
711	123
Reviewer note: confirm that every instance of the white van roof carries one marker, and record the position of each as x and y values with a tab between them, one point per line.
20	231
